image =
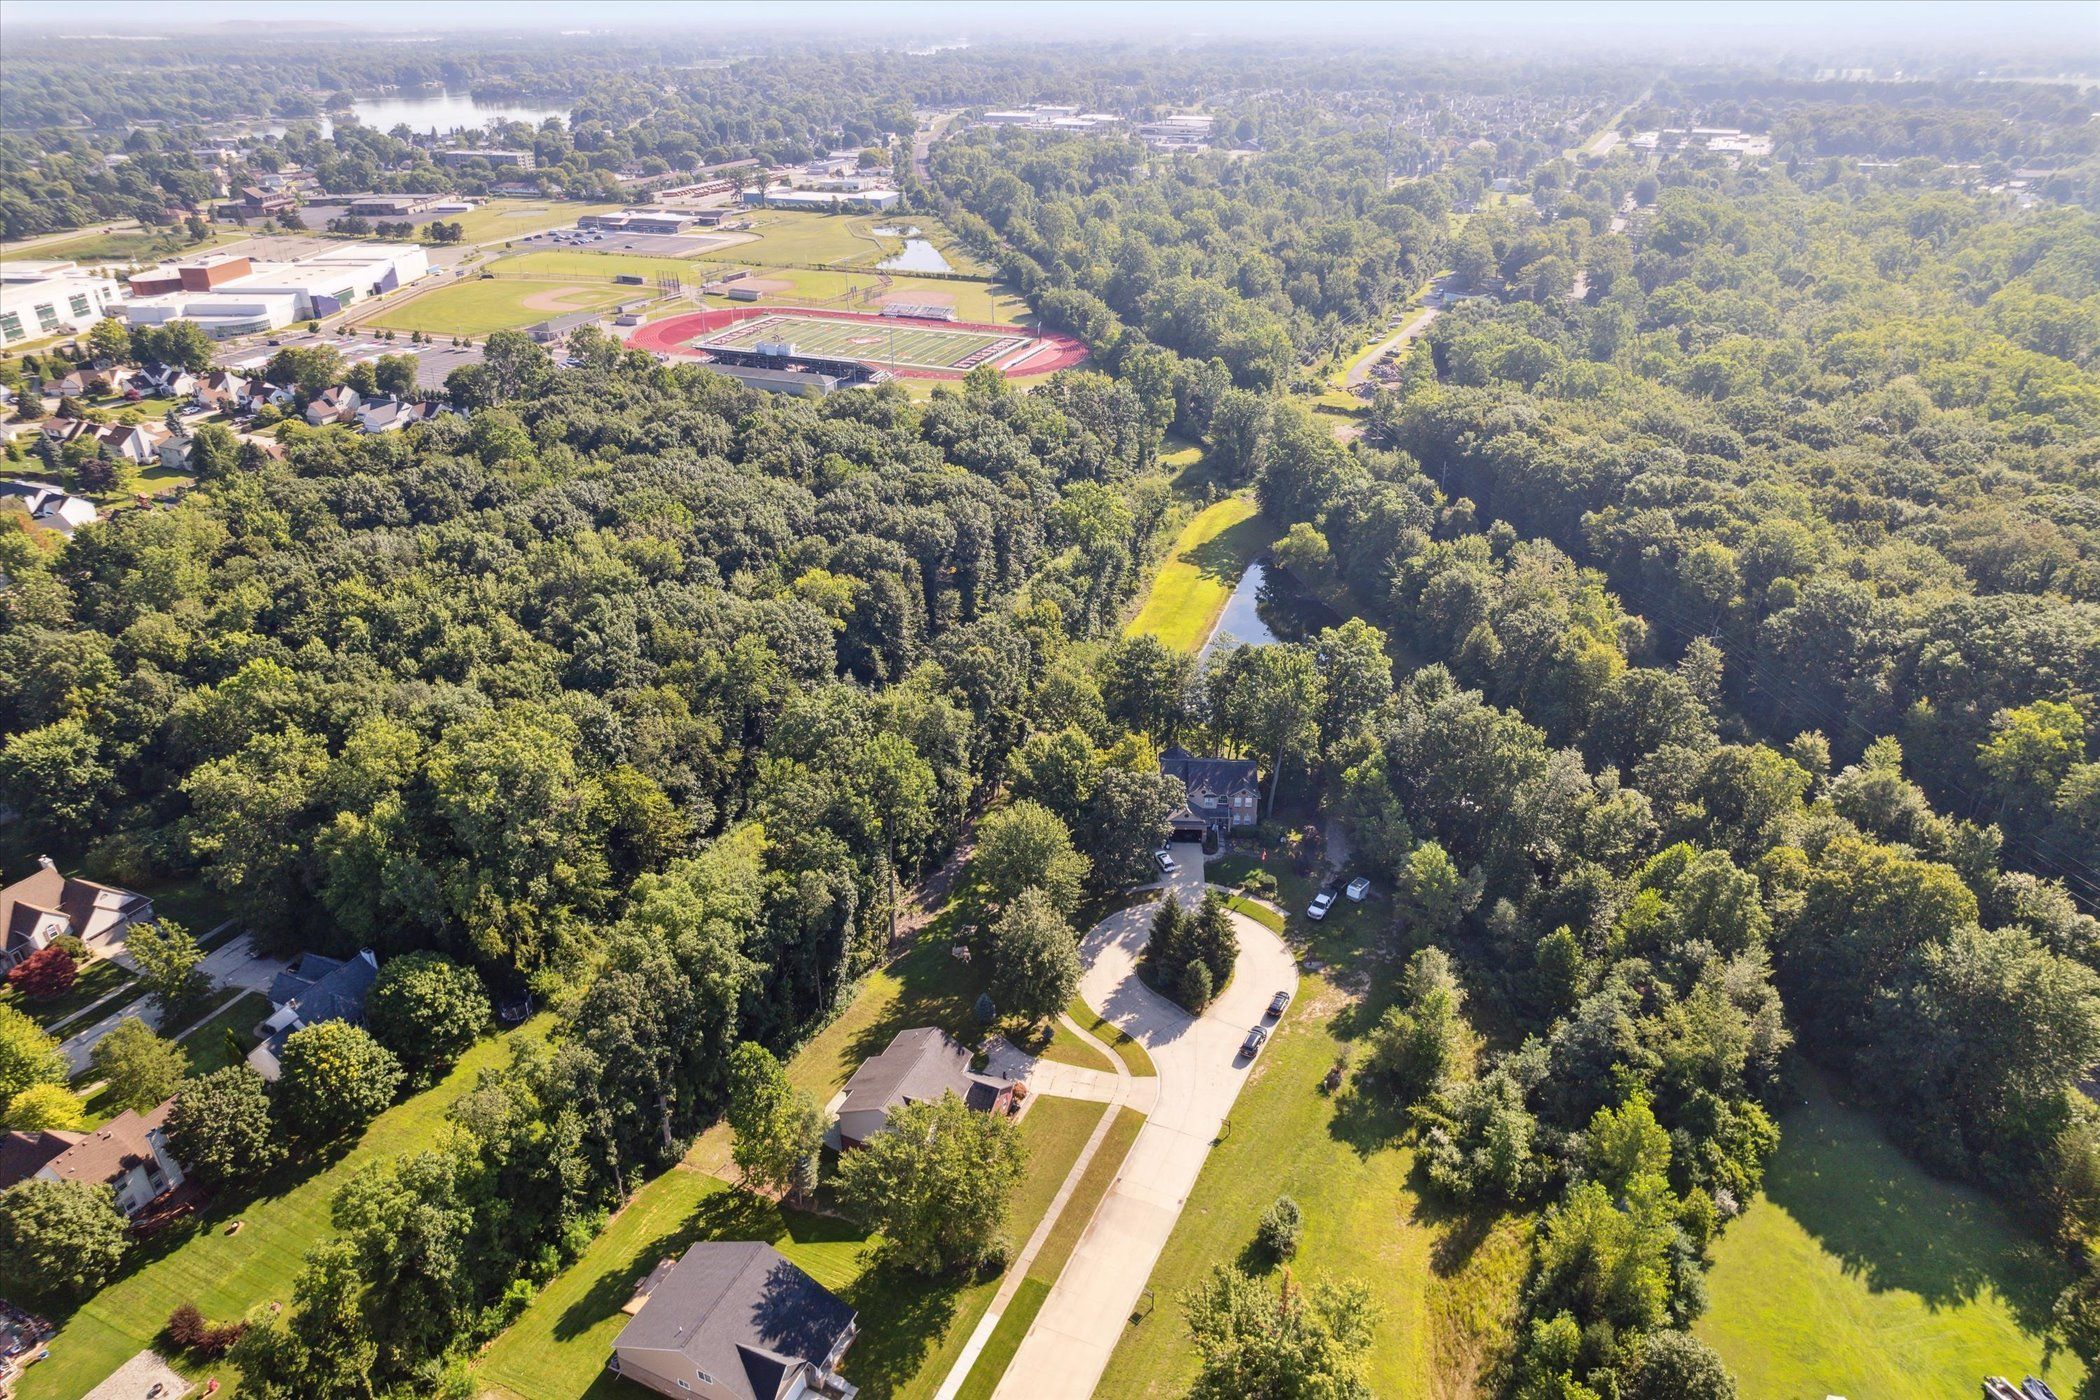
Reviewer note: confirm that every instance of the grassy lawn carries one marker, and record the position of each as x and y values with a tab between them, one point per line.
226	1274
1448	1284
1050	1261
1857	1274
98	979
207	1045
142	246
475	307
516	218
1051	1040
837	240
911	1329
1131	1051
1201	570
990	303
557	263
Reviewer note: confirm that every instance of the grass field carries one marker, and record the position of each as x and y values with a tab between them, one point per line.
910	1329
207	1046
1201	569
1050	1260
475	307
515	218
98	979
988	303
556	264
1857	1274
143	246
916	343
226	1274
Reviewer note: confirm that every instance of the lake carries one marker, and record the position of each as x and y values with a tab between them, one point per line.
1267	605
918	256
445	111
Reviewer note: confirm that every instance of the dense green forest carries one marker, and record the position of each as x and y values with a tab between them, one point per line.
1713	683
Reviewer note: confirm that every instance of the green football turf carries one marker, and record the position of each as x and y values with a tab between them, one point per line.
873	341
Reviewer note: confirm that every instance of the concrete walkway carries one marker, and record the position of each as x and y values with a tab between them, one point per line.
1200	1075
234	966
1118	1086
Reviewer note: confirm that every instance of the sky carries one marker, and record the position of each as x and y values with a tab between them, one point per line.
2070	26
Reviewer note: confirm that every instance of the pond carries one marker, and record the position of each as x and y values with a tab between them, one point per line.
918	256
1267	605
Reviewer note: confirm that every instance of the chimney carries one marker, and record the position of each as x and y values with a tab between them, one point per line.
47	863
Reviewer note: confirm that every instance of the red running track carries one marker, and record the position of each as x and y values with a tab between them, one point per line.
674	336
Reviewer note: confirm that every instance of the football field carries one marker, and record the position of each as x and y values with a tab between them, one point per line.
875	341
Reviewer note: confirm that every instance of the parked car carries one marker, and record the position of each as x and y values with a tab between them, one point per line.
2036	1389
1322	902
1358	888
1166	863
1999	1388
1251	1047
1278	1002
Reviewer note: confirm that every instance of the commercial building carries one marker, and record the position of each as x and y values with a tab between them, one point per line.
640	221
457	156
1184	131
39	299
391	206
231	296
831	201
195	275
220	315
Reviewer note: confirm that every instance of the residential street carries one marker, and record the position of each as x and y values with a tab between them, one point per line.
234	965
1200	1074
1421	321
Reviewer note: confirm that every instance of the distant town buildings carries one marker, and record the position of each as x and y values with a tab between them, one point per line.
454	157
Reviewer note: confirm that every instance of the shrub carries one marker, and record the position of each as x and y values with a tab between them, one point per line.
46	973
186	1326
1277	1234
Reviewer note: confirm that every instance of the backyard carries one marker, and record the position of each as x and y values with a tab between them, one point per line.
1857	1274
225	1273
911	1329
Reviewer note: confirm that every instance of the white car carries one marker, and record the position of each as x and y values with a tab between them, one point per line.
1322	902
1166	863
1358	888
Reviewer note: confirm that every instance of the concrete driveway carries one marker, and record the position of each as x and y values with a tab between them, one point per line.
1200	1074
234	966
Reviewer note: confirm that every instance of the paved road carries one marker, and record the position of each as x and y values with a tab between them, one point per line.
1361	370
234	965
1200	1074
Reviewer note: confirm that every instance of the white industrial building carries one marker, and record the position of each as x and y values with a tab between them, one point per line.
39	299
242	297
831	201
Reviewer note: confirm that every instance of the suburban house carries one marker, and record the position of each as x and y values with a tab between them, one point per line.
175	451
164	381
218	389
47	905
310	991
48	506
1222	793
917	1067
734	1320
130	443
391	415
337	405
129	1154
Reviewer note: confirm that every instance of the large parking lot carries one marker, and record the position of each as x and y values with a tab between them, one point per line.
656	245
433	362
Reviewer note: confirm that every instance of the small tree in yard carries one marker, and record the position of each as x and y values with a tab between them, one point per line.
46	973
221	1129
1277	1234
60	1240
27	1055
1035	970
427	1009
336	1077
167	959
1297	1341
142	1068
777	1130
935	1183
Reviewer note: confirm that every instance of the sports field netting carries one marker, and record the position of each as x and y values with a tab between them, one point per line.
871	341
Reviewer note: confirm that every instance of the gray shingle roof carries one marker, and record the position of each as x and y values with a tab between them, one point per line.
740	1311
918	1067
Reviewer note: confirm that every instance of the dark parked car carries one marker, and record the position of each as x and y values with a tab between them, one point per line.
1278	1002
1252	1046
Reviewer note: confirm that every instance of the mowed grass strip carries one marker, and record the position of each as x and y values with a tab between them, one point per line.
556	264
1447	1288
479	306
911	1329
1207	559
990	1367
227	1274
208	1047
1857	1274
1130	1050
